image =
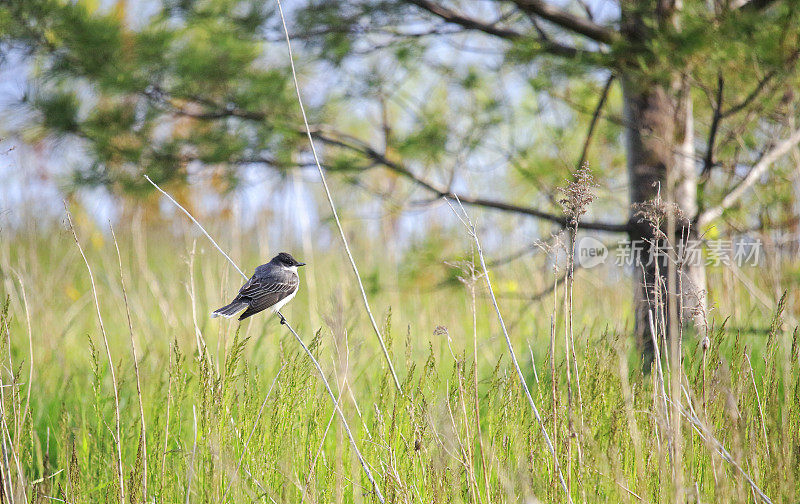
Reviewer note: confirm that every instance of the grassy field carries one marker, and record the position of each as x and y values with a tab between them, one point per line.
726	428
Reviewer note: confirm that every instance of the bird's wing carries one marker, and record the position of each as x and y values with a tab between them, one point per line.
251	284
264	291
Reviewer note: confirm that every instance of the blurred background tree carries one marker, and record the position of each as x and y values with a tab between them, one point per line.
496	102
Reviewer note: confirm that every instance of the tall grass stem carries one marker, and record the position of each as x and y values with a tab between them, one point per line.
338	410
333	206
473	233
252	431
117	428
135	366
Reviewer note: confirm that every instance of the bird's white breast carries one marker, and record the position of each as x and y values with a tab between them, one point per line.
280	304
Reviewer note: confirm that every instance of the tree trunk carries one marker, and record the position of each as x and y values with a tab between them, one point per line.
660	162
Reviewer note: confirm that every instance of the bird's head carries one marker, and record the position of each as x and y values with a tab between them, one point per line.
286	260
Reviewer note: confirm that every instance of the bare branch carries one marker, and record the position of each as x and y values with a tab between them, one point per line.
470	23
595	118
750	97
465	199
356	145
568	21
454	17
586	9
752	177
708	162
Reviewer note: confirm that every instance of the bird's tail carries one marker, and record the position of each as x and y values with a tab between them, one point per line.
230	310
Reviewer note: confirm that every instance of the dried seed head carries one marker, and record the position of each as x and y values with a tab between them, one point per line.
656	211
706	343
578	195
467	273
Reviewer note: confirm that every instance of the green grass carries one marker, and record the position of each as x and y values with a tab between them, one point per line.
461	432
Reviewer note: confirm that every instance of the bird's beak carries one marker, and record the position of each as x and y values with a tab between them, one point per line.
301	264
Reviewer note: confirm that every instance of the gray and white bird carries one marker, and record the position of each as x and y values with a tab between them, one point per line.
272	286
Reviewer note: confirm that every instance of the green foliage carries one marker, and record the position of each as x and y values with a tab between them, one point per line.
59	111
427	143
185	84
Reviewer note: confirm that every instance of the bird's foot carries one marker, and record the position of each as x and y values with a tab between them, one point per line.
283	319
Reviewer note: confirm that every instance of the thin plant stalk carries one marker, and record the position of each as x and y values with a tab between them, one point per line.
252	431
308	251
166	429
190	474
26	409
6	466
198	225
758	402
135	367
340	389
468	451
319	450
704	431
705	344
201	344
571	278
659	368
476	402
473	233
636	437
553	381
338	410
117	428
672	293
570	422
569	286
464	451
333	206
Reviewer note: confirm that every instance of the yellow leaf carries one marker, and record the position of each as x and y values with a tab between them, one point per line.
97	239
711	232
91	6
119	10
72	292
511	286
